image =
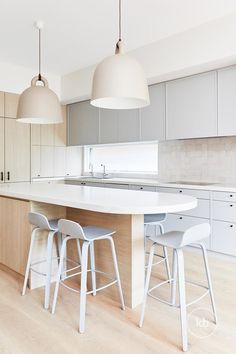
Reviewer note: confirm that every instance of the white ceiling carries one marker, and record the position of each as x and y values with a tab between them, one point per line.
80	33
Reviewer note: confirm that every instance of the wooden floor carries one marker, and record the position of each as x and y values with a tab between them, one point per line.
26	328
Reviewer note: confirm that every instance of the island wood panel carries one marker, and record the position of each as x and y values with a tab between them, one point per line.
14	233
129	243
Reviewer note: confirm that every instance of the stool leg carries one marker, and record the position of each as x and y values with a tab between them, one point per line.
83	288
182	299
165	253
113	250
59	272
203	247
49	269
174	276
149	270
33	235
79	249
93	268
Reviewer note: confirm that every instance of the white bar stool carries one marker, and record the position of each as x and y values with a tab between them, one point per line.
41	223
177	240
156	221
71	230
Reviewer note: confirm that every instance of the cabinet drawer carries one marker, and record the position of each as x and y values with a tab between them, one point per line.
224	237
225	196
182	223
193	192
115	185
225	211
202	210
143	188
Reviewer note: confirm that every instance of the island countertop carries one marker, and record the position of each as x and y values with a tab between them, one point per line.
100	199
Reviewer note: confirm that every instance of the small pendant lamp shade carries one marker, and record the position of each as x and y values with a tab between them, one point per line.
39	105
119	83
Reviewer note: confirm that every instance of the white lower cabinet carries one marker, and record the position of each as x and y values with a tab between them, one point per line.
73	160
224	237
143	188
46	161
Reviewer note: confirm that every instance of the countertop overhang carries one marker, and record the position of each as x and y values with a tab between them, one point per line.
104	200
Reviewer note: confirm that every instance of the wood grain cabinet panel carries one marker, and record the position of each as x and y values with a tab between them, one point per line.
1	150
60	130
1	104
10	104
17	151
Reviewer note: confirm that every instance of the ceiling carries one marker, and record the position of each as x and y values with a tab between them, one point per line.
80	33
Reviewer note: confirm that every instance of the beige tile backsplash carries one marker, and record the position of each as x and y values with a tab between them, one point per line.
204	160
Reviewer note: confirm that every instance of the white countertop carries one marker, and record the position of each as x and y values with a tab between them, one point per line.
221	187
106	200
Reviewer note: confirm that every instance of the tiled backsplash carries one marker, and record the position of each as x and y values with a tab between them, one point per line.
208	160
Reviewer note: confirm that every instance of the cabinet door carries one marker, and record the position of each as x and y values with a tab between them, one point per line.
46	163
35	134
108	126
59	161
35	161
11	103
226	101
47	134
83	124
60	130
128	125
17	151
224	237
1	150
1	104
73	160
153	116
191	107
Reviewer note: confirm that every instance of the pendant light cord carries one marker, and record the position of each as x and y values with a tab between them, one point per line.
119	28
119	20
39	55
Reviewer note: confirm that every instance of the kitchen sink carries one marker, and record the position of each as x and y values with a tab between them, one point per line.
193	183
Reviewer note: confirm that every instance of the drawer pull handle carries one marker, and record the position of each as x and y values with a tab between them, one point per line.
180	217
141	187
231	205
231	195
180	191
231	225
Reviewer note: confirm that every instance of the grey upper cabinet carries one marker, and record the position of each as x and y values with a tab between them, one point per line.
191	107
128	125
227	101
108	126
83	124
153	116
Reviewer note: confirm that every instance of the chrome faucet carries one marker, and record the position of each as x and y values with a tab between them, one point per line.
91	169
104	170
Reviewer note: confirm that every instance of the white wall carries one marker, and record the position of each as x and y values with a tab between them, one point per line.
209	46
206	160
14	78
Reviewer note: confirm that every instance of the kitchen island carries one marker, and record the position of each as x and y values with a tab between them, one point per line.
120	210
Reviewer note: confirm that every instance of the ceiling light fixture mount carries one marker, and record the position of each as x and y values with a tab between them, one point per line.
119	81
38	104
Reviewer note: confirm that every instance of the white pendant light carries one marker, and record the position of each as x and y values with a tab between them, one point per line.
119	81
38	104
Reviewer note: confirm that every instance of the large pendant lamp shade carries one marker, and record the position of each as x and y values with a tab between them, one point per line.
38	104
119	81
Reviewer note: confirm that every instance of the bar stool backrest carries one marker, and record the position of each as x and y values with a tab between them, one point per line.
39	220
71	228
196	233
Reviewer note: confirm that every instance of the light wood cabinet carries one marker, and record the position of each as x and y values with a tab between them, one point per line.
35	161
191	107
35	134
14	233
73	161
47	134
1	150
226	101
17	151
152	117
60	130
10	104
1	104
83	124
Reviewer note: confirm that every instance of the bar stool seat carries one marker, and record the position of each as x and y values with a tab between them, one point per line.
71	230
177	240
